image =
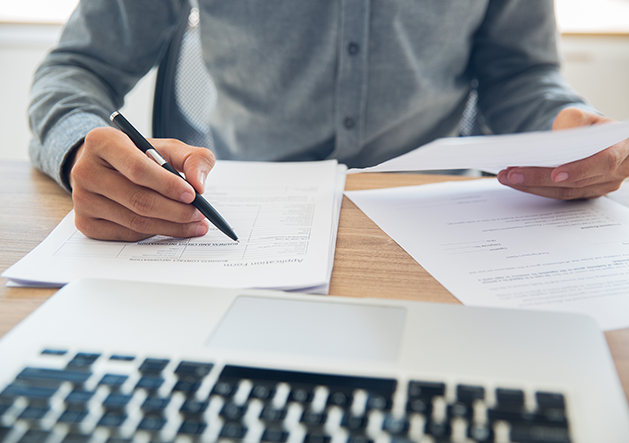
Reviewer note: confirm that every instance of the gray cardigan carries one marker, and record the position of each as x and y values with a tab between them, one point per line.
357	80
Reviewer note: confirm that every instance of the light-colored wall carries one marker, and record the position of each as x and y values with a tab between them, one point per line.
597	66
22	48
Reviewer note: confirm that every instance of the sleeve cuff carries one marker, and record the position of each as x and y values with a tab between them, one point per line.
50	157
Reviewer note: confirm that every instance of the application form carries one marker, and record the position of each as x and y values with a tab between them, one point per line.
490	245
285	214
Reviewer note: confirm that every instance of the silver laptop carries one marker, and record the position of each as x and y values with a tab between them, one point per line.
110	361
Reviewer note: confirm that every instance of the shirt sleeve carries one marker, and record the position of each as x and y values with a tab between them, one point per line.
517	65
105	49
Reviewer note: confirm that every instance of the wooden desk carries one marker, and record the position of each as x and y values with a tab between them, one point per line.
367	261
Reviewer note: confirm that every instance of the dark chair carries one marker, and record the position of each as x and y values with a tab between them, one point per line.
184	92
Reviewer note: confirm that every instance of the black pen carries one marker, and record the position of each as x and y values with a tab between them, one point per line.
199	202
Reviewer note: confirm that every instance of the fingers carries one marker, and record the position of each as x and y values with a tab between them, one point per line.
559	191
121	194
125	225
108	148
195	163
592	177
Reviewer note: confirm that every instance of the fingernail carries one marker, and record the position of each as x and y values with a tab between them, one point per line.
199	216
201	230
516	179
186	197
202	177
561	177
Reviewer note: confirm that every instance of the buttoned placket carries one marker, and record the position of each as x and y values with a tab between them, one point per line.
351	83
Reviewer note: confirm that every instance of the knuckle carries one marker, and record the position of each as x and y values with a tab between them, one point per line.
614	159
570	194
79	198
138	223
135	170
142	202
81	223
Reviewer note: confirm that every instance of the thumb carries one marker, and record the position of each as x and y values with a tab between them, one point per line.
575	117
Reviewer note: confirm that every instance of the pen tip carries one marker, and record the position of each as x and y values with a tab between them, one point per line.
113	115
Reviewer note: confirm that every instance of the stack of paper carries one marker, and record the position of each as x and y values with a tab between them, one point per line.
492	246
285	214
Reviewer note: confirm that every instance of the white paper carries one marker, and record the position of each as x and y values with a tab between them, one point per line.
493	153
490	245
285	214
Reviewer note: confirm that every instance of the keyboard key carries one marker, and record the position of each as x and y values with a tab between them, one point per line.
378	402
310	418
149	383
438	429
186	387
548	417
359	439
114	381
155	405
83	360
153	365
54	352
274	435
317	437
78	399
193	370
420	406
193	407
549	400
233	430
340	399
509	398
33	413
481	433
72	416
51	377
460	409
116	401
395	425
262	391
354	423
426	389
301	393
31	392
225	388
192	427
539	434
34	436
76	438
467	393
152	423
270	414
112	419
121	357
233	412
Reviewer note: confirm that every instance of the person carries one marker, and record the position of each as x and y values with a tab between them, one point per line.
361	81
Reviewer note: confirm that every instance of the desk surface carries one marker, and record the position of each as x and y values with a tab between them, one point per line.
367	262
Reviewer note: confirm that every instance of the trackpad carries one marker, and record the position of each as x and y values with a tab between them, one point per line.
336	330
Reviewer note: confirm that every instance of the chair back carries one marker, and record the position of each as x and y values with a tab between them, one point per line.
184	92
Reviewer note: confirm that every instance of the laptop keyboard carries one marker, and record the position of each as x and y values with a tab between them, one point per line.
93	398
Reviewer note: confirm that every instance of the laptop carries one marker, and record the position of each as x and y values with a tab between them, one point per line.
112	361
